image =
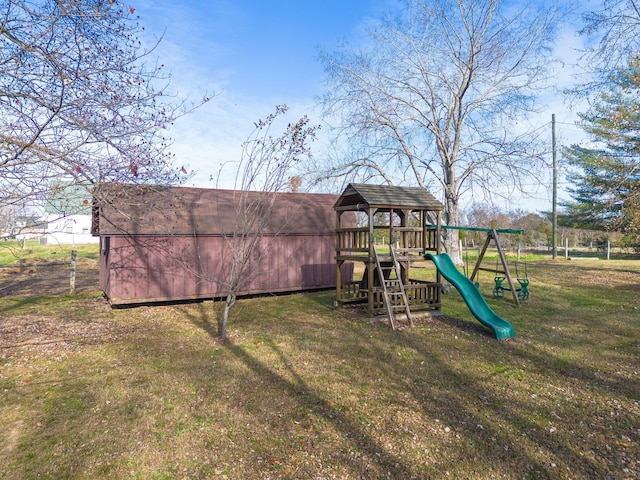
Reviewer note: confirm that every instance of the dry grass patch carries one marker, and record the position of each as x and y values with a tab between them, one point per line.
307	391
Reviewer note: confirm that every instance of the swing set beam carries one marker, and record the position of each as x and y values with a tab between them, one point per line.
492	234
511	231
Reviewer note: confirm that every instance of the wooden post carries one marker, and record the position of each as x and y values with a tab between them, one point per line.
72	281
566	248
477	267
338	263
554	200
370	267
608	249
505	266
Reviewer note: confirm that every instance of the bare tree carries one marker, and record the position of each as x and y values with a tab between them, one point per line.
613	33
80	98
436	98
262	174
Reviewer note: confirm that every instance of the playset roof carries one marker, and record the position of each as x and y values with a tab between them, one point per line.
360	196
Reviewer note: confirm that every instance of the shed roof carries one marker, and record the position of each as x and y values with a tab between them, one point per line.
359	195
162	210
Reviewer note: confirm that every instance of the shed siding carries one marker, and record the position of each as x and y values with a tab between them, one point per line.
150	268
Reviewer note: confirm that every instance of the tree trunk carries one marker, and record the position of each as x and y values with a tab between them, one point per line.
223	315
451	239
452	246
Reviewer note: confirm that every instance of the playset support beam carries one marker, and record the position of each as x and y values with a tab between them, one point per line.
492	234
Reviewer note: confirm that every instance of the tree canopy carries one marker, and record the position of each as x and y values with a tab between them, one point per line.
434	97
612	42
81	98
606	177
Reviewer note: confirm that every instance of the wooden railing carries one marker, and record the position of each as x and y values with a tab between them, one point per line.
350	291
352	239
432	239
419	293
408	237
358	239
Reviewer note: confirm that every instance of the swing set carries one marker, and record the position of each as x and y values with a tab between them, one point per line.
501	272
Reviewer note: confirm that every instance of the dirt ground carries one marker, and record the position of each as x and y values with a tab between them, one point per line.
39	332
35	276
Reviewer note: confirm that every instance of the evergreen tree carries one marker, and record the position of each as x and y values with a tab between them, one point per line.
606	178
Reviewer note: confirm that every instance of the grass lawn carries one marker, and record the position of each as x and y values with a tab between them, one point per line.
306	391
10	251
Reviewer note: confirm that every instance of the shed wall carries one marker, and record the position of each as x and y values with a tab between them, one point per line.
141	269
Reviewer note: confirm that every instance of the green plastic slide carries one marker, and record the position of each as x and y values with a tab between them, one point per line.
472	296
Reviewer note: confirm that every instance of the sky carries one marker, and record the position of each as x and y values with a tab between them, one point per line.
251	55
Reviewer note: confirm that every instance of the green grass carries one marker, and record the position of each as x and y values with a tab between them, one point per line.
305	391
10	251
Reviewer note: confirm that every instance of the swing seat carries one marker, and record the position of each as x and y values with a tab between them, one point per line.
499	288
523	291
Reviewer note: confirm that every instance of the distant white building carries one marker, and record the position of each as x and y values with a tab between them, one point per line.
68	214
20	226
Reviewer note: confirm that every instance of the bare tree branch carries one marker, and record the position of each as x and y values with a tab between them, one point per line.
614	41
263	173
80	99
434	99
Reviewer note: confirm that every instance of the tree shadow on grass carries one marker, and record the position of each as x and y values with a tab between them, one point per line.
467	326
296	388
311	400
501	430
207	318
290	384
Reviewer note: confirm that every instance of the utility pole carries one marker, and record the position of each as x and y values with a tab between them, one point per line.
554	209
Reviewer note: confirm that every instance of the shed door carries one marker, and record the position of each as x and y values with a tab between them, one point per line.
105	267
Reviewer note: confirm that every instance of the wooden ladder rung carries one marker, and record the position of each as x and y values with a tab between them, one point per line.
396	285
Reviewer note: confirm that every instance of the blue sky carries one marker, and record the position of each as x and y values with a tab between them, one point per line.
253	55
257	54
258	47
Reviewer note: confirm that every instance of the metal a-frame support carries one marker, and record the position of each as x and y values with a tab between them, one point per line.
392	288
493	235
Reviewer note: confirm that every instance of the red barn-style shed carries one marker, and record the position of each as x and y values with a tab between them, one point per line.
160	244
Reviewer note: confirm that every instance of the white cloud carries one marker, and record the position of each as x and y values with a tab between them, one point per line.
198	48
211	136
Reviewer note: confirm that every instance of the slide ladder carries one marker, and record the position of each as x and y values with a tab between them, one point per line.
394	293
